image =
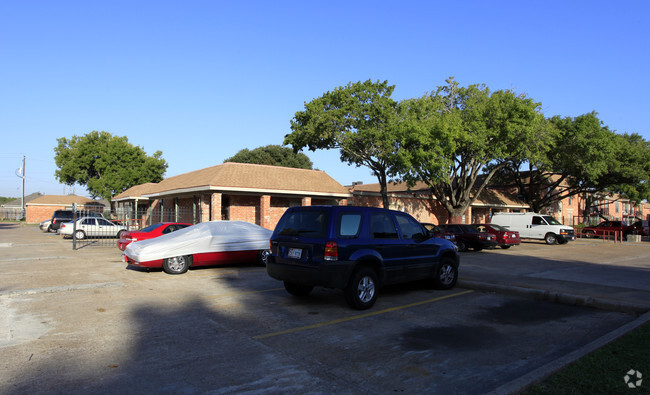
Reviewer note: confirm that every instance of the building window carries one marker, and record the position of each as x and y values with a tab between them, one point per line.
617	207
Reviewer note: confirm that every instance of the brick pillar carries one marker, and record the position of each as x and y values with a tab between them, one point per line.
306	201
265	211
205	208
343	202
468	215
215	213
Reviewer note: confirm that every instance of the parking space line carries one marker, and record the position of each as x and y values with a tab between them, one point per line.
356	317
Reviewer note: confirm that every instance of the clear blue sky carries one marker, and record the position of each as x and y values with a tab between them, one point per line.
201	80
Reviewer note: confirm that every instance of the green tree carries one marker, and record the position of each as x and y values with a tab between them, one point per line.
452	136
584	158
107	165
358	119
273	155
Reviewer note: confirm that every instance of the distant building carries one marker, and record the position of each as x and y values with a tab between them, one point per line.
43	207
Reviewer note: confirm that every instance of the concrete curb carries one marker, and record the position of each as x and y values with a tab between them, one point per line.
547	370
557	297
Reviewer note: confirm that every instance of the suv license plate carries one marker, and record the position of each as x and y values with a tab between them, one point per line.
295	253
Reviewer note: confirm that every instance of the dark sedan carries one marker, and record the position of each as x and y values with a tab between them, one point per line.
435	231
467	236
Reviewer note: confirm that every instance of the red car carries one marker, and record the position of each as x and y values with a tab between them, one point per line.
605	228
149	232
505	238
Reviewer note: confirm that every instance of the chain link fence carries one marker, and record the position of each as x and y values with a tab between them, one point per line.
93	230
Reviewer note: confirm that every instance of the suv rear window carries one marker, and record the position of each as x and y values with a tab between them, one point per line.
349	225
382	226
309	223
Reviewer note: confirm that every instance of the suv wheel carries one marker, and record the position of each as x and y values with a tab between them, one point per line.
361	292
297	289
447	274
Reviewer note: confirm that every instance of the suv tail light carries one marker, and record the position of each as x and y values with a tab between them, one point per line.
331	251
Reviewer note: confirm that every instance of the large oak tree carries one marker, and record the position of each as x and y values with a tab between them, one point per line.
584	158
107	165
359	120
451	137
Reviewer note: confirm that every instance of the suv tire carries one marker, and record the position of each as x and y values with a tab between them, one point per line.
446	275
361	293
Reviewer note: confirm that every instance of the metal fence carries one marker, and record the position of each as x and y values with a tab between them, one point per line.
94	231
11	213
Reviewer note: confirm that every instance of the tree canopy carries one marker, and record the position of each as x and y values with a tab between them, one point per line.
456	134
358	119
107	165
273	155
584	157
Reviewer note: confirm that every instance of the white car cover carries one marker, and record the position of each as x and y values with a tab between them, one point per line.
213	236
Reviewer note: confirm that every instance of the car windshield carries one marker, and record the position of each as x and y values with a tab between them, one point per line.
150	228
551	220
470	229
311	223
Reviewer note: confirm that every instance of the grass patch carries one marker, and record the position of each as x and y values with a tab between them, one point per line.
602	371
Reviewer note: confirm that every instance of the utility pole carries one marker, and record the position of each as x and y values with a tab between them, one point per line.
22	201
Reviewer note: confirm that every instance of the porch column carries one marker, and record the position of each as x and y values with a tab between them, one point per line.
265	211
205	208
306	201
215	214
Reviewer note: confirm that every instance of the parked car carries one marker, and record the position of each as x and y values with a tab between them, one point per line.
46	226
62	216
91	227
605	228
357	250
535	226
150	232
638	228
203	244
467	236
505	238
437	231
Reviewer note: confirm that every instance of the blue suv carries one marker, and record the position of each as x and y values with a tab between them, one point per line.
357	249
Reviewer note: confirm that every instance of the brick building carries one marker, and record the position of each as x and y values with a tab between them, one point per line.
419	202
231	191
42	208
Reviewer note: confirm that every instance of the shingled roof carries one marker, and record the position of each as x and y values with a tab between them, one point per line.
62	200
244	177
136	192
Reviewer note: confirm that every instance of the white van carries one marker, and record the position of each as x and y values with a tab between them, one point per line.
535	226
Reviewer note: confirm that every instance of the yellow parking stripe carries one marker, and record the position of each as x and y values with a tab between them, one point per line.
356	317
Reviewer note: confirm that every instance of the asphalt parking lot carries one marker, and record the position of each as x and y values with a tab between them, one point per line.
79	322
